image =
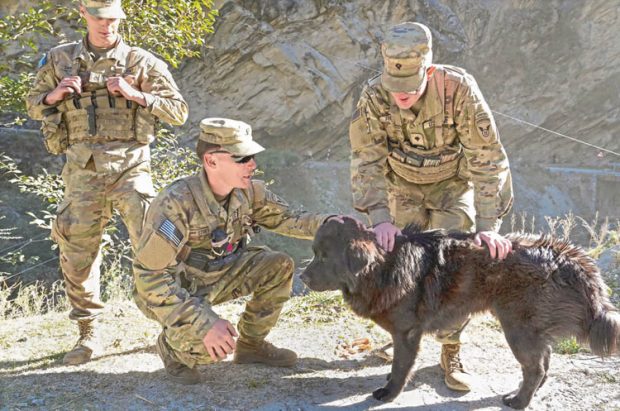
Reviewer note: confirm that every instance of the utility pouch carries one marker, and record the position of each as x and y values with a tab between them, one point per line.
54	131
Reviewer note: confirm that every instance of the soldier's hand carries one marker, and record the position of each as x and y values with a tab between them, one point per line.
386	233
118	86
498	245
220	340
67	86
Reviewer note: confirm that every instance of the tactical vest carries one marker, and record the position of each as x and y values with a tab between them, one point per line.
408	157
204	263
96	116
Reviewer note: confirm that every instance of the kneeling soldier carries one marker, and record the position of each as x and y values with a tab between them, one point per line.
193	254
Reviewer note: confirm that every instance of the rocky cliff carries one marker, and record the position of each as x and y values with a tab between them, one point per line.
293	69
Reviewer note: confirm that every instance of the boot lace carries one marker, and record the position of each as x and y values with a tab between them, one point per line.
454	359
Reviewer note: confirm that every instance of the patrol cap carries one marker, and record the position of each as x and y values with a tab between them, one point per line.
105	9
407	52
231	135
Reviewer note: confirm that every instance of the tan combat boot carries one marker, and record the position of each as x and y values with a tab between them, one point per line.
264	353
85	346
456	377
177	372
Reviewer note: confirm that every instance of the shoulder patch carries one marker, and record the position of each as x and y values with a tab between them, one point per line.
169	231
483	125
43	61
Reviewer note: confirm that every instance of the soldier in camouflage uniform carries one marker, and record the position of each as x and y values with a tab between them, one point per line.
194	254
425	150
99	100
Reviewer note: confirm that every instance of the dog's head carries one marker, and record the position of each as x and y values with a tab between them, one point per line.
343	250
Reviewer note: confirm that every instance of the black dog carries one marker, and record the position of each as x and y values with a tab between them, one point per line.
544	289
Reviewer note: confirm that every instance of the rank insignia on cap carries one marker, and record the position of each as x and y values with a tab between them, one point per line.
169	231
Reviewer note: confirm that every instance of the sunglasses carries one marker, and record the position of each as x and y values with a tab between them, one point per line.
237	159
243	160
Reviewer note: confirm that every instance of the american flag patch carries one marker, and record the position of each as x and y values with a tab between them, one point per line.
170	232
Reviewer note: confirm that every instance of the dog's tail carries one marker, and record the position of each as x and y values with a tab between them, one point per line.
605	331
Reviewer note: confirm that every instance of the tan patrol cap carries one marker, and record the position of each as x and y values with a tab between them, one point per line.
407	53
231	135
105	9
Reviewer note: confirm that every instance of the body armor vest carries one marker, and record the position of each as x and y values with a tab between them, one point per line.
96	116
408	156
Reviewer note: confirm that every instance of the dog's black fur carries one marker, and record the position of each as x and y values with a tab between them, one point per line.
544	289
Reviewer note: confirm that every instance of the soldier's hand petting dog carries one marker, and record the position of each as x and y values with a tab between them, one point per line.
386	234
220	340
499	246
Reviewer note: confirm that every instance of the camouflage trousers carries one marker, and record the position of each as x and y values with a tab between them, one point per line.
89	200
448	204
266	275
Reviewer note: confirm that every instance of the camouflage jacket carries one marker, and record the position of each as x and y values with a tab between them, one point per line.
454	133
176	227
141	69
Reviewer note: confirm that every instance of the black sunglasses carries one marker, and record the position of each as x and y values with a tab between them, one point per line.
243	160
237	159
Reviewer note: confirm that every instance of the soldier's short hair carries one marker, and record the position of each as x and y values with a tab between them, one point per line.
203	147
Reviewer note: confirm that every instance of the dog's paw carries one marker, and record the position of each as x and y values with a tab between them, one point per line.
513	401
383	394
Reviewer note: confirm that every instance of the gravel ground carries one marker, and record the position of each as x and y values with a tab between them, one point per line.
128	375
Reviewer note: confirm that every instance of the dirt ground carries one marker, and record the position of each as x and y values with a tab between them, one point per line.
129	375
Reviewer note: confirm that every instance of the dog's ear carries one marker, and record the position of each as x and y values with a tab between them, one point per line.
360	254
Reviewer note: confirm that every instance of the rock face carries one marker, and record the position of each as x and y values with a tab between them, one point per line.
294	69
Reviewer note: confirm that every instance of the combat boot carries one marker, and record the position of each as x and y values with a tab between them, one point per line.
177	372
263	353
456	377
86	344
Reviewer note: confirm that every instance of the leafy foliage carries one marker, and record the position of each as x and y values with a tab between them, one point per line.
170	161
175	30
13	92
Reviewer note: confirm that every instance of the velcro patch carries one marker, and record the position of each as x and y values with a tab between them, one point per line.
169	231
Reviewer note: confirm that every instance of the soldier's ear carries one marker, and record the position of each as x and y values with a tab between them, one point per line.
209	160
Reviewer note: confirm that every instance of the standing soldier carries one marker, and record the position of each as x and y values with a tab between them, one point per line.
194	254
99	100
425	150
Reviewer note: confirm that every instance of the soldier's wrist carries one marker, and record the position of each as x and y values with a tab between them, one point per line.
46	99
149	100
379	215
488	224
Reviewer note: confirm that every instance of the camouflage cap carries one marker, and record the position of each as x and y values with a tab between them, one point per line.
231	135
407	52
105	9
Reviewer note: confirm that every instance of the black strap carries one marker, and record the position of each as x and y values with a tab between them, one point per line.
92	120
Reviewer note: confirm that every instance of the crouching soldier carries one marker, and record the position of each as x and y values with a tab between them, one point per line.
194	254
